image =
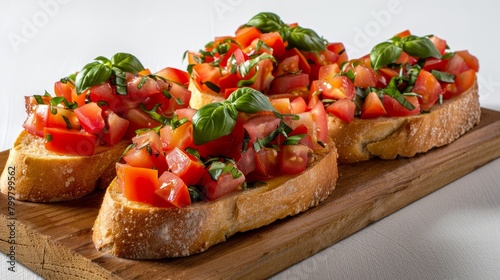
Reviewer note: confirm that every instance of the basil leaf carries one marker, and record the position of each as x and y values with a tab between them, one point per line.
213	120
94	73
392	91
294	140
266	22
249	100
103	60
443	76
420	47
245	67
154	113
127	62
383	54
120	81
305	39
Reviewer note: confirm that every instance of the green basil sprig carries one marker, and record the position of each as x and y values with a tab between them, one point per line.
301	38
102	69
218	119
443	76
388	52
392	90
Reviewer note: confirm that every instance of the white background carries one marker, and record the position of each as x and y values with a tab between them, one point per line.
453	233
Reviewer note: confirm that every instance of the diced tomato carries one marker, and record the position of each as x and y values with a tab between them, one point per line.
180	137
232	57
403	34
298	105
386	75
138	120
174	75
260	126
337	88
186	166
60	117
339	49
469	59
372	107
139	87
405	58
266	163
303	64
456	65
320	121
463	82
149	138
138	184
187	113
319	58
81	98
225	184
394	109
139	157
116	127
287	83
246	163
173	190
343	109
229	81
64	89
264	75
245	35
275	42
365	77
293	159
327	72
106	97
289	65
439	43
282	105
90	117
144	72
432	63
179	96
428	87
205	73
37	119
299	130
69	141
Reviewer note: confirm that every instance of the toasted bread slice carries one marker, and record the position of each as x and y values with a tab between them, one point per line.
390	137
139	231
44	176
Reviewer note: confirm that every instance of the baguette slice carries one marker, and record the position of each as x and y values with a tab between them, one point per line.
390	137
198	98
138	231
44	176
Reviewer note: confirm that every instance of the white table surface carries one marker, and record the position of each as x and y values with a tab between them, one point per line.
453	233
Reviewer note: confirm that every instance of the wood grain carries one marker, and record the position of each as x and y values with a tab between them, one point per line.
54	240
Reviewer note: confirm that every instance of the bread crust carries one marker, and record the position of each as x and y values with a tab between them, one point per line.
138	231
390	137
44	176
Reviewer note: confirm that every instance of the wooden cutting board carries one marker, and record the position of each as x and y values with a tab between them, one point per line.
54	240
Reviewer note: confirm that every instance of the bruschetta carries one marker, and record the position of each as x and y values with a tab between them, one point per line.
227	167
72	140
409	95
